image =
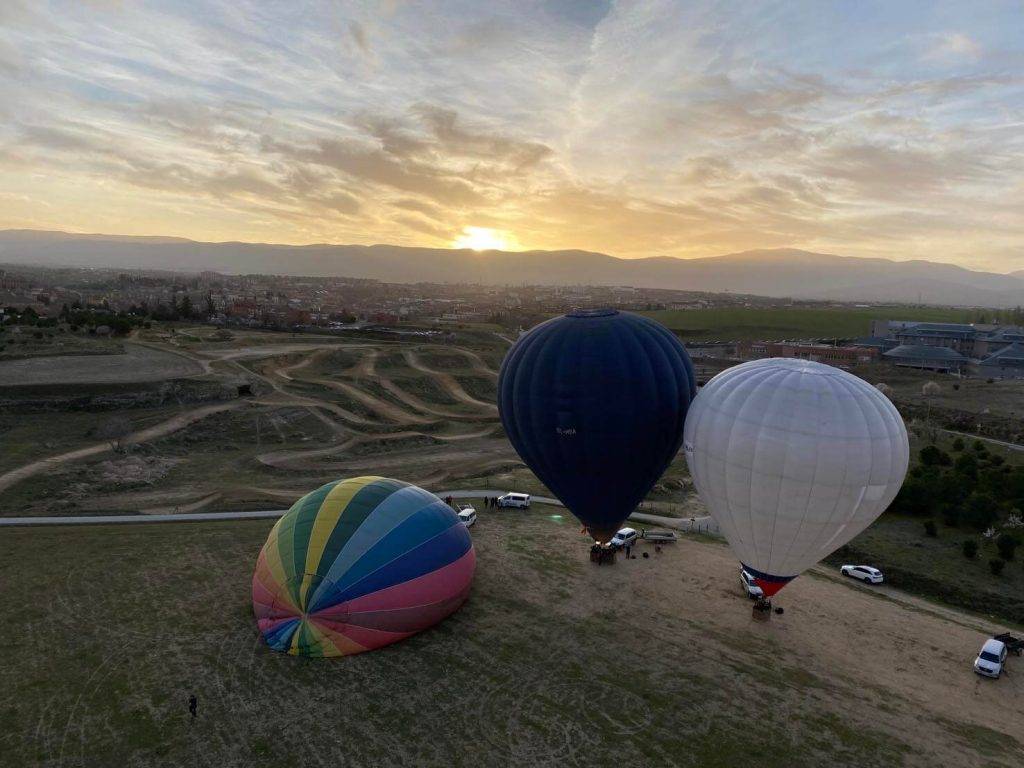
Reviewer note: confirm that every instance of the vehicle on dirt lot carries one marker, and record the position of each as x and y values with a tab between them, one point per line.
863	572
467	515
991	658
751	589
515	500
625	537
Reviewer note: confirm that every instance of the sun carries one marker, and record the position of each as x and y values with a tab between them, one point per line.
484	239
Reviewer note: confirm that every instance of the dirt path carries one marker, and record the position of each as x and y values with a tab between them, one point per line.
388	410
449	382
162	429
435	410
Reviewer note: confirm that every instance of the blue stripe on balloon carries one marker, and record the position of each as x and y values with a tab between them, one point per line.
403	555
280	637
385	518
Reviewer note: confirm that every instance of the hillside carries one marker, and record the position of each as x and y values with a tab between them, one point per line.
780	272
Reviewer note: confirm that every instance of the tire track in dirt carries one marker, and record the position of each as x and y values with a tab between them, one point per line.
162	429
449	382
388	410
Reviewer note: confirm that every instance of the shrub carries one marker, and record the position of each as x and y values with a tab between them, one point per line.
969	548
958	444
956	387
996	566
979	510
951	516
933	456
930	529
1006	544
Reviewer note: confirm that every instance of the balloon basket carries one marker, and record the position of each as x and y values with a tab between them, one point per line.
762	610
602	555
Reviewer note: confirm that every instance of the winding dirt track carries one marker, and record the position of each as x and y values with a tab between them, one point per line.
449	382
162	429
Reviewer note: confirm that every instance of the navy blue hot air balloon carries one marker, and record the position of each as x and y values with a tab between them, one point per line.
594	403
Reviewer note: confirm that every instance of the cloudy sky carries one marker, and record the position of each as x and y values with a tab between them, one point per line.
634	128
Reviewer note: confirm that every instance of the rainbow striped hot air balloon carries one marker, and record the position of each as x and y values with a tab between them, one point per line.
358	564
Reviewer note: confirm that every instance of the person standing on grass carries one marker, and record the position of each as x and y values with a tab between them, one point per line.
193	705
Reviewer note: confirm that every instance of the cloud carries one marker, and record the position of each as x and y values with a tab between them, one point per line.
647	128
944	46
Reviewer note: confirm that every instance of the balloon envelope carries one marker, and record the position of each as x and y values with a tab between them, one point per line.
793	458
594	402
358	564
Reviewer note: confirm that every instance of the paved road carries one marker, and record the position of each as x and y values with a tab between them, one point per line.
969	436
686	524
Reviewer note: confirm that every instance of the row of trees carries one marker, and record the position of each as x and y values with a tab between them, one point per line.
972	488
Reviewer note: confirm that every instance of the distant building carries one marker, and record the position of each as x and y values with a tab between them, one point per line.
841	357
1007	363
929	358
952	347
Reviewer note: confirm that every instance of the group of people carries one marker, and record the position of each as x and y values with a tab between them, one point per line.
489	501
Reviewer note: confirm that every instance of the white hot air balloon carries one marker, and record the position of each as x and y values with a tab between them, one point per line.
793	458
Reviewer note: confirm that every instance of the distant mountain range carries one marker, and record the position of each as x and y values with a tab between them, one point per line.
777	273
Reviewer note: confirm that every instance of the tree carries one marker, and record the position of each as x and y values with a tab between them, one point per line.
979	510
930	529
966	465
1006	544
969	548
958	444
115	430
186	308
933	456
211	308
996	566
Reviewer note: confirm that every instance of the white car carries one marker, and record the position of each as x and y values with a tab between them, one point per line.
625	536
516	500
863	572
753	591
990	661
467	515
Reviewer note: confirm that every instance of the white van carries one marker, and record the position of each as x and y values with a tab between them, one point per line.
516	500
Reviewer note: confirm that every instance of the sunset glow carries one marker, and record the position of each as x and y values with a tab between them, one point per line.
483	239
640	128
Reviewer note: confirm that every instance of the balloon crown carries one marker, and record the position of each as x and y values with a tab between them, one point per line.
592	312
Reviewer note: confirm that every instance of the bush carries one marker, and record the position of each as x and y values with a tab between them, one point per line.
996	566
956	387
951	516
931	530
932	456
1006	544
958	444
969	548
979	510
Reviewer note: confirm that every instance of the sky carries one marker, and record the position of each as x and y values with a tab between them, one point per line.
648	128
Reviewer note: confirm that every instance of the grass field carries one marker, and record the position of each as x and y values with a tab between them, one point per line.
743	324
552	662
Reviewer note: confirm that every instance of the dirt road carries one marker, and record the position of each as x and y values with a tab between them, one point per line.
173	424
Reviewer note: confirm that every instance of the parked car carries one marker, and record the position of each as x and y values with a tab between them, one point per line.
467	515
623	537
516	500
863	572
752	590
990	660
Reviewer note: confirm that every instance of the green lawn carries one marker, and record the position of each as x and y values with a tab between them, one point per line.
740	323
108	630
